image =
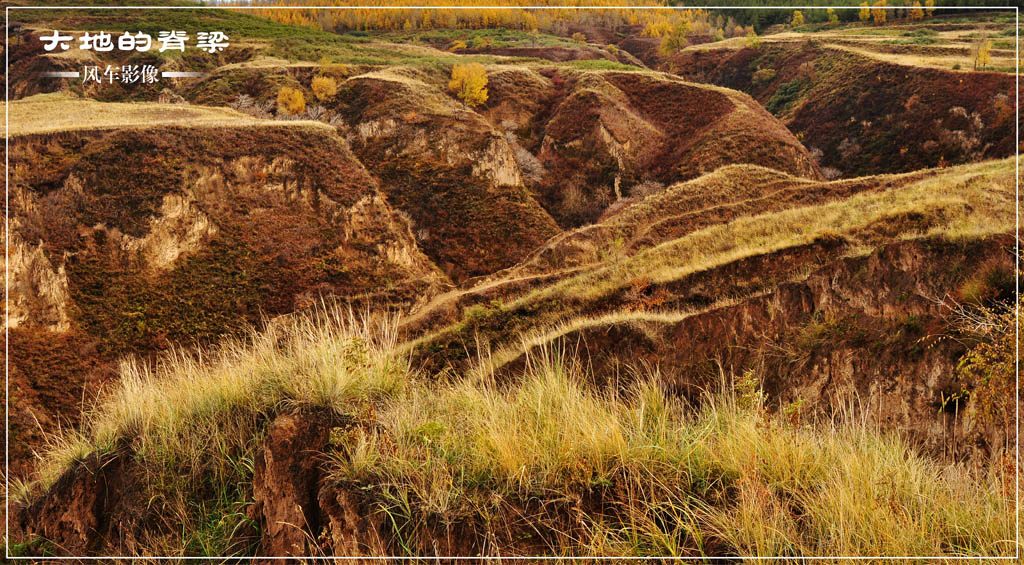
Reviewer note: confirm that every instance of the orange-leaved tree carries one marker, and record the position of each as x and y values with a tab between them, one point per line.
916	13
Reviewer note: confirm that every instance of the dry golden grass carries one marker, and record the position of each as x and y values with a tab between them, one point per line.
44	113
325	360
682	480
968	201
953	60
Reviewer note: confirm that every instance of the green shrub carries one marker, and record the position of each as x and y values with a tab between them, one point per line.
786	94
764	76
602	65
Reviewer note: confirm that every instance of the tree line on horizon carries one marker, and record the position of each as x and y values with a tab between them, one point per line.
756	14
759	13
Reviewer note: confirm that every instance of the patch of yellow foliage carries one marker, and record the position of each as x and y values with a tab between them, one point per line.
469	83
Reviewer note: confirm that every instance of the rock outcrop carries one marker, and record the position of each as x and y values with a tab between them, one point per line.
39	295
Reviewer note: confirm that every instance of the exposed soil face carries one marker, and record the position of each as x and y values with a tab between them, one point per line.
153	203
96	507
598	136
864	116
285	479
300	512
451	173
133	241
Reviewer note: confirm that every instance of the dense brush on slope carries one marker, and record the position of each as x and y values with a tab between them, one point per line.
212	456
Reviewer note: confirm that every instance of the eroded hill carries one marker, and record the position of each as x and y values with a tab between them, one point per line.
800	278
863	115
393	190
617	303
128	238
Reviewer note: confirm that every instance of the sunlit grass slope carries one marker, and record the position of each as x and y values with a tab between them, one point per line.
645	473
44	113
964	202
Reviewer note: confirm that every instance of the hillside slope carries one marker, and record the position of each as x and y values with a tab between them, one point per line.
331	440
390	192
862	115
131	240
755	269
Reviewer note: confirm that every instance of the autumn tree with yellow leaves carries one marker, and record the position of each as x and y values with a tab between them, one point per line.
675	39
864	14
658	28
916	13
290	101
324	87
878	11
981	53
421	15
469	83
